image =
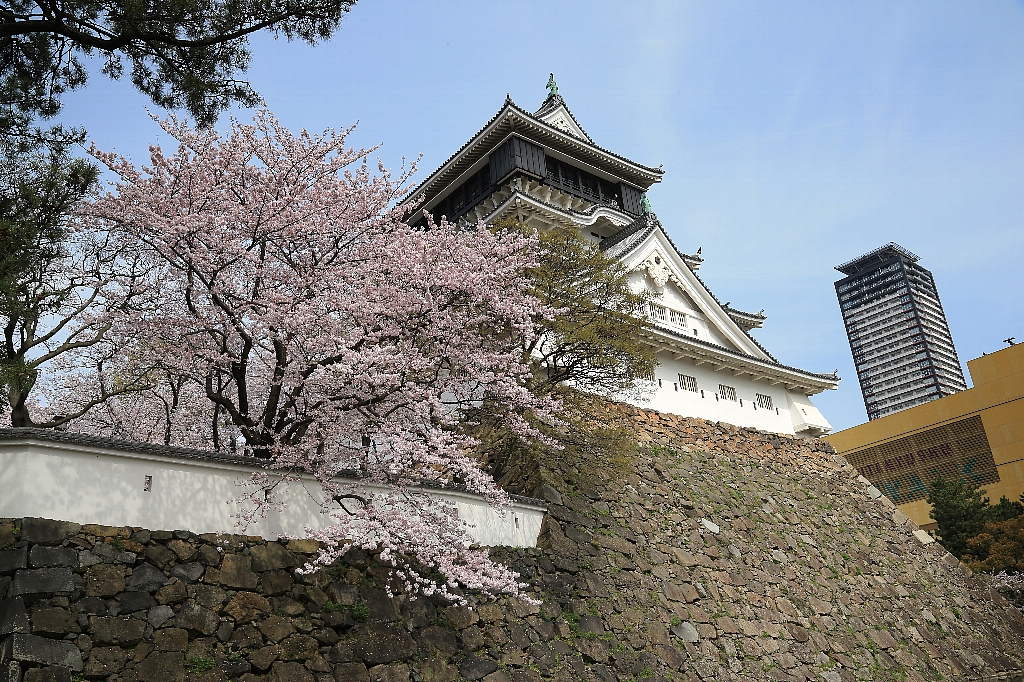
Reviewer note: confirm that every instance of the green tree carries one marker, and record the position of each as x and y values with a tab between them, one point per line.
1005	509
58	284
595	340
593	343
962	513
960	510
182	53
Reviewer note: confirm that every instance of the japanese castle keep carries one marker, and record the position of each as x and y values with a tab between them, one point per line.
544	169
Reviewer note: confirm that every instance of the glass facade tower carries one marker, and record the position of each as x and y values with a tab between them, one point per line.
897	330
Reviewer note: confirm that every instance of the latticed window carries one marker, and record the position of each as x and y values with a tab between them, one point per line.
727	392
764	401
687	383
657	312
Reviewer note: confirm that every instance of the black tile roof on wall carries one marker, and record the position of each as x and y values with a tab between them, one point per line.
87	440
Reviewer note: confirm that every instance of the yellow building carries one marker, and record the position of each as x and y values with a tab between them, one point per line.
977	434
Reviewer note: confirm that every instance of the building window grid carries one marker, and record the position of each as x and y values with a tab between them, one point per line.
727	392
688	383
899	337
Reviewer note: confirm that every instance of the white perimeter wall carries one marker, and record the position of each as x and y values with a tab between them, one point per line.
795	411
85	484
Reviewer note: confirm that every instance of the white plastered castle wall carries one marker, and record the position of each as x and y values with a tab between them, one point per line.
687	308
107	486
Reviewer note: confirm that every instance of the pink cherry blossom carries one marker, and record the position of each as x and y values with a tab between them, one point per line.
301	319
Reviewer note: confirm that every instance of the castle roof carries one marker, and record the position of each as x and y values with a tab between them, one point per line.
568	139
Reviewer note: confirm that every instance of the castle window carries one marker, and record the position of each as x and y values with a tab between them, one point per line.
764	401
581	183
657	311
688	383
727	392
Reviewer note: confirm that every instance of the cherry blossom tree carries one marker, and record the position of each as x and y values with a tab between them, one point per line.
328	334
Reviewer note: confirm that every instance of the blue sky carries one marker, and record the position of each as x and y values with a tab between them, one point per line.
794	136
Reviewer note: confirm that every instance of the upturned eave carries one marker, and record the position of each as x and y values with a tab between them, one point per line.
738	364
513	119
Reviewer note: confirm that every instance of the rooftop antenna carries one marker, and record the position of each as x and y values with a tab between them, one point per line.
1009	341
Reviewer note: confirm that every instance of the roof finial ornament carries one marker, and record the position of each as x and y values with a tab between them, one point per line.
552	86
645	204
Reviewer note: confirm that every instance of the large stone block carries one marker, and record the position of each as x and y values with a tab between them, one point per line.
210	596
303	546
51	673
670	656
196	619
13	617
104	580
271	556
42	650
120	630
104	662
383	643
437	670
52	621
188	572
276	628
686	632
160	666
47	531
381	607
262	658
172	593
12	560
277	582
146	578
160	555
40	582
130	602
389	673
439	639
233	669
299	648
351	672
41	557
92	606
112	555
183	550
246	606
235	572
476	667
159	615
290	672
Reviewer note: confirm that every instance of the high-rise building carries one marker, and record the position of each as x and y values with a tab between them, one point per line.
898	333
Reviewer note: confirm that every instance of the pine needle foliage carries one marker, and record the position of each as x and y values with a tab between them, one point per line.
592	344
595	340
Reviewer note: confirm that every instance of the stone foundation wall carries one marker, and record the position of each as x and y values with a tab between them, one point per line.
710	553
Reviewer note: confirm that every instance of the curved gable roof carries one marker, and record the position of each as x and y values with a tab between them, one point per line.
511	118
